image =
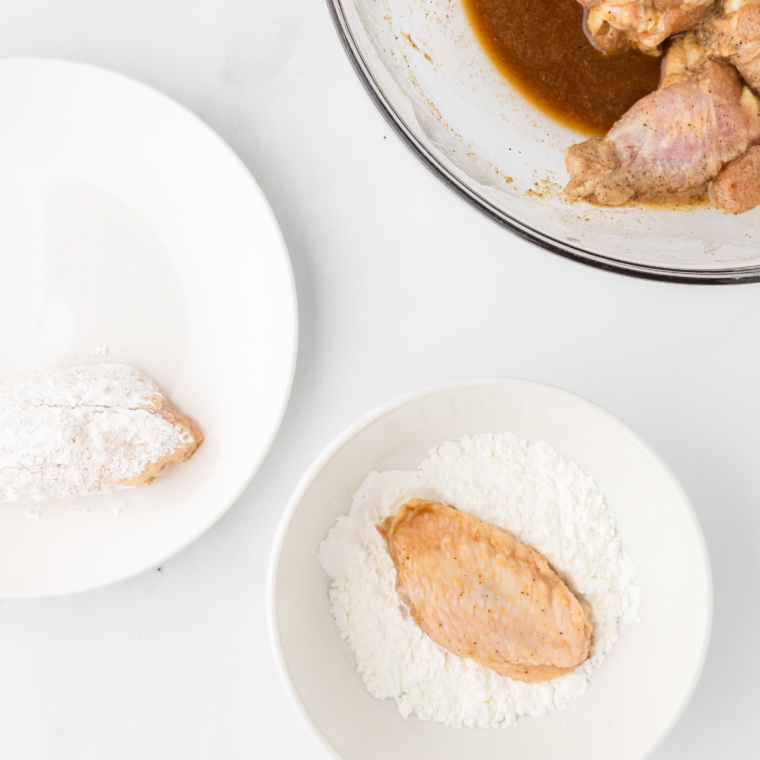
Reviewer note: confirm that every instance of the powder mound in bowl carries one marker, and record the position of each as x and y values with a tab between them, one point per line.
530	490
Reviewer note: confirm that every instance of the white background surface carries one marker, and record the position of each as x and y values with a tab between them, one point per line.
400	285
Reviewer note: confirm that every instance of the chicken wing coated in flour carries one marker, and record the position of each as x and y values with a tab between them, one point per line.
480	593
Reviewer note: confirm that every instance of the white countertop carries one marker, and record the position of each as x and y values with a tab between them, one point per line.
400	285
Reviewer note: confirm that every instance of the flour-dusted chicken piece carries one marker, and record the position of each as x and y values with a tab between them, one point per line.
737	188
83	430
645	24
673	141
734	34
482	594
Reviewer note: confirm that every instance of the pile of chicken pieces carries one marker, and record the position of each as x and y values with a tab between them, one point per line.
700	131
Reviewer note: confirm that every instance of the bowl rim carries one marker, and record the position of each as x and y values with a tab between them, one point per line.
728	276
452	385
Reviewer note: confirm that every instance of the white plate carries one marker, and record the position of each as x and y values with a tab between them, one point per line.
128	223
643	685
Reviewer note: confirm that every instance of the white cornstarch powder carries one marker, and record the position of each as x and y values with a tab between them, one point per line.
531	491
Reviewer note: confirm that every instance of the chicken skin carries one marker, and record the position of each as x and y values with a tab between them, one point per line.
481	594
737	188
615	24
734	34
674	141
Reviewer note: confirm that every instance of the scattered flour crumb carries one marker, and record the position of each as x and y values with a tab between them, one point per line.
97	351
544	500
117	505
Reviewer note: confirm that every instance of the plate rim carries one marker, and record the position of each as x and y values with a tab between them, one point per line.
460	384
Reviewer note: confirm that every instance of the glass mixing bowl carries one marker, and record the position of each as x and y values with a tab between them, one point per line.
423	67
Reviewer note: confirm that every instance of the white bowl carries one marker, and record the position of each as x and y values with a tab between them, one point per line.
645	682
428	75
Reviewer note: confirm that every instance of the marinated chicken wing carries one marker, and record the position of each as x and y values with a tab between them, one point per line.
645	24
737	187
482	594
673	141
734	34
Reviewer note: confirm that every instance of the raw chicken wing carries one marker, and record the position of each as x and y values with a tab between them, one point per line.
645	24
482	594
734	34
737	187
673	141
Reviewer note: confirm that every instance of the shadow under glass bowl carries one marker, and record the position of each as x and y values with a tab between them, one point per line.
424	69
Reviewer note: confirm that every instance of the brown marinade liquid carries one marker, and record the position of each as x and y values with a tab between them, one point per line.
541	47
